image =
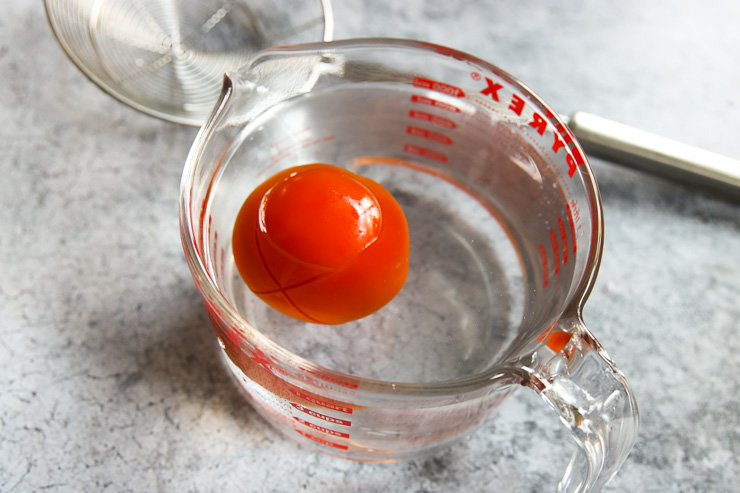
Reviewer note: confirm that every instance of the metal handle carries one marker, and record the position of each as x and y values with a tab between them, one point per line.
650	153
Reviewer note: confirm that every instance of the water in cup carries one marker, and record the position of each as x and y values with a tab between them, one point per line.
505	240
464	296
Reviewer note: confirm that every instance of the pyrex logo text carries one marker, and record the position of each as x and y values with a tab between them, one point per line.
562	137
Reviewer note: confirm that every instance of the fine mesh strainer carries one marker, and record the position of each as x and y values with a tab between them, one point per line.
167	58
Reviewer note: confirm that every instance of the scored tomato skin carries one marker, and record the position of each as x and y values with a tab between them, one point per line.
322	244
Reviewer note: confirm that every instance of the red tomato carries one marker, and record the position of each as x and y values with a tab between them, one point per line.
322	244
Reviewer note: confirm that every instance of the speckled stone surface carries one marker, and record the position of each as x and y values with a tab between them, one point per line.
109	374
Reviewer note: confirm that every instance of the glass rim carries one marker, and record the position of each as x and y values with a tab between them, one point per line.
190	118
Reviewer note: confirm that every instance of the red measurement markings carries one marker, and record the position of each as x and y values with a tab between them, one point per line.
555	251
543	259
556	248
322	403
261	359
564	239
343	383
321	428
415	98
428	134
438	86
573	218
318	415
435	119
322	441
424	152
214	248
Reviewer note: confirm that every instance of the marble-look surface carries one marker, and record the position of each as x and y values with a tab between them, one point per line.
109	375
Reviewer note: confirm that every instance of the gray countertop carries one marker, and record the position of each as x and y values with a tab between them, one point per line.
109	374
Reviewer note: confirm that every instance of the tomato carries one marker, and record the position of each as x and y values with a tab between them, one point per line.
322	244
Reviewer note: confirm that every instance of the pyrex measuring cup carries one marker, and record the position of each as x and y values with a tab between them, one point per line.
505	228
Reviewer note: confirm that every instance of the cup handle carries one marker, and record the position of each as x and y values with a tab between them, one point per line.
574	375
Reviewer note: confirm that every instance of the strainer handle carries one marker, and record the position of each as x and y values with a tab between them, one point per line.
573	374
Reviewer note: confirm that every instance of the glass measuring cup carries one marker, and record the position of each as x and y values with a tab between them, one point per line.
505	227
